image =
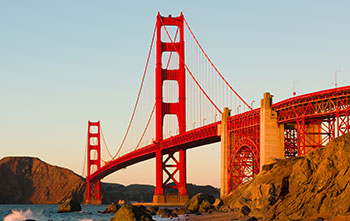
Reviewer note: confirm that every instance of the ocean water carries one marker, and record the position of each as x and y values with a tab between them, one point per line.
49	213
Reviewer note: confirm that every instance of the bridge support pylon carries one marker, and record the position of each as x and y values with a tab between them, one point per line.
271	133
93	162
225	147
174	163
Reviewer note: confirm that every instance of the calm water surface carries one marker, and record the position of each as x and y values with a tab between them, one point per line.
49	213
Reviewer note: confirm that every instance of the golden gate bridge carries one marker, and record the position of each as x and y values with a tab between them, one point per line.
195	105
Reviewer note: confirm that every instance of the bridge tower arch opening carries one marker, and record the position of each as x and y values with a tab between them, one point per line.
244	163
164	73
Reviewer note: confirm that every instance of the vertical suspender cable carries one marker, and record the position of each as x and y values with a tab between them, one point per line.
215	67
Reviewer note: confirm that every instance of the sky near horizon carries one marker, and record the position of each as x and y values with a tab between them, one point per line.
63	63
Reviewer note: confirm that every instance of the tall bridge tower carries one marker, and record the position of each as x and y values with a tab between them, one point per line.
177	178
93	162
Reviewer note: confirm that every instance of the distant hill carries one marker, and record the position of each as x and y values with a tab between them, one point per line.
144	193
28	180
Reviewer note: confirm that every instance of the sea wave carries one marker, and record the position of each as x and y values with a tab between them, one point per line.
20	215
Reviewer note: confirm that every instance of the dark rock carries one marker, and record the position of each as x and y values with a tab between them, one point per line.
153	210
169	214
194	203
252	219
132	213
144	209
112	208
245	210
164	213
69	205
181	211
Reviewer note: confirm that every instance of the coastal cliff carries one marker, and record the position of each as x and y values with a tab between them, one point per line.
29	180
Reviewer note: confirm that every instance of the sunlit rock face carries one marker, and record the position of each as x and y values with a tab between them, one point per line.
315	185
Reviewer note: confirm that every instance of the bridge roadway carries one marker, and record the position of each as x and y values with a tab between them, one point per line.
317	105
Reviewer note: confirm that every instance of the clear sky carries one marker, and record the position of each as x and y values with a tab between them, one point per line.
63	63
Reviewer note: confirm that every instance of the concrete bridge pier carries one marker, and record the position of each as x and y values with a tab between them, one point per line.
271	133
225	147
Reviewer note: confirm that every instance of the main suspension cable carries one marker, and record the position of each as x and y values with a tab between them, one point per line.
139	93
189	71
104	141
144	131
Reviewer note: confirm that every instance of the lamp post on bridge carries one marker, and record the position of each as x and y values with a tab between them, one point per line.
294	92
335	78
251	105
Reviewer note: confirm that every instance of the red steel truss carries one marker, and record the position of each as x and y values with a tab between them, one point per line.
93	162
190	139
316	117
290	141
244	150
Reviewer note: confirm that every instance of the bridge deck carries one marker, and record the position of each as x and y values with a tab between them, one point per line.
321	104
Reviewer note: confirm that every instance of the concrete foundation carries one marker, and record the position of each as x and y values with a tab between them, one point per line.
170	199
158	199
93	202
271	134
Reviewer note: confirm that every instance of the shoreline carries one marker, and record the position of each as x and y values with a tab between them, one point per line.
217	216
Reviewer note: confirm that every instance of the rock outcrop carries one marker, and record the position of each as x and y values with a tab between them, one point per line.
132	213
315	185
199	203
69	205
112	208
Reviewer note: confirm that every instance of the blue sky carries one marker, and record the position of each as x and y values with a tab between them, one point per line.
63	63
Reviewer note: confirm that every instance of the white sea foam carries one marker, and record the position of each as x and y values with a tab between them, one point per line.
23	215
86	220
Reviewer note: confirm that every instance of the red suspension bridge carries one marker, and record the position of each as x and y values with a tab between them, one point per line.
193	107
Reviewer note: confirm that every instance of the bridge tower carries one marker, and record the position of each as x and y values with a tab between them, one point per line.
93	160
163	108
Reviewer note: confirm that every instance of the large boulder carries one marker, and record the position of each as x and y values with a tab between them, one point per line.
194	204
69	205
315	185
112	208
131	213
